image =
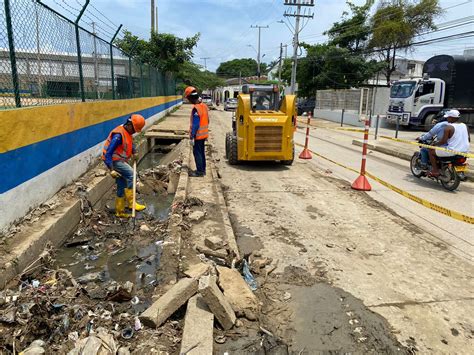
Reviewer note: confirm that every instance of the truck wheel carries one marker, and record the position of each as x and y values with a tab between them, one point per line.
429	121
233	153
228	137
289	162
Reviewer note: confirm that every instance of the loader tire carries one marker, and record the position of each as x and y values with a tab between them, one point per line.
233	154
289	162
228	137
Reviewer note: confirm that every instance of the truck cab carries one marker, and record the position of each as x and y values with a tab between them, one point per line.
416	101
446	83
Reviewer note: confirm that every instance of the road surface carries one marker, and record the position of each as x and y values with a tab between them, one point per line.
318	232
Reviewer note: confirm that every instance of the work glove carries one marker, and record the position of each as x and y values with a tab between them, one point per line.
191	141
115	174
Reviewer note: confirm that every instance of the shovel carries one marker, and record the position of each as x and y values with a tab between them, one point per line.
134	192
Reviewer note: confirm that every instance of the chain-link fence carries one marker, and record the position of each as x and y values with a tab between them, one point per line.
42	62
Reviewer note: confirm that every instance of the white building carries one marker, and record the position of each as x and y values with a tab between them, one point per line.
405	69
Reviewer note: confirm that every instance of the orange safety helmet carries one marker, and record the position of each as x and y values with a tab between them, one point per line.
138	122
189	90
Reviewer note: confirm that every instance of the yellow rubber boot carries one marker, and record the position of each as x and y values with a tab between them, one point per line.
129	198
120	207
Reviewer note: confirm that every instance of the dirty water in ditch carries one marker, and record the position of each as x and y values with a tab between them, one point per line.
135	262
100	280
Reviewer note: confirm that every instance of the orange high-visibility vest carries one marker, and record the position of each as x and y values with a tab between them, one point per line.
123	151
203	130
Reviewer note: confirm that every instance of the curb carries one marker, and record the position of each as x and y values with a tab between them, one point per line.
172	252
229	231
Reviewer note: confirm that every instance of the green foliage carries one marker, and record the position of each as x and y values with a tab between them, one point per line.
352	32
396	23
326	66
193	75
244	66
164	51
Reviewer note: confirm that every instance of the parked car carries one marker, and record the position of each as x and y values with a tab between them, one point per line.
230	105
208	101
306	105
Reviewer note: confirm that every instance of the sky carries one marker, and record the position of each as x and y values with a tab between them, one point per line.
225	25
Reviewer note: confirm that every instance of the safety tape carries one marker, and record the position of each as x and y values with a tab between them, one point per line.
467	155
433	206
305	124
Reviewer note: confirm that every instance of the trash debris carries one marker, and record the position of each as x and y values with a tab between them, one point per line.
248	277
127	333
220	339
196	216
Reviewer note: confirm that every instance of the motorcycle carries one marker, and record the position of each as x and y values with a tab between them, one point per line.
452	169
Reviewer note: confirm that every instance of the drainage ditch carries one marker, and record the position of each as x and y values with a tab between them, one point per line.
102	277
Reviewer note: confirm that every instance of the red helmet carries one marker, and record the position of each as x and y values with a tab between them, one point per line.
189	90
138	122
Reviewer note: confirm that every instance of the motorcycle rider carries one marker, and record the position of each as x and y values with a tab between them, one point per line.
455	137
436	131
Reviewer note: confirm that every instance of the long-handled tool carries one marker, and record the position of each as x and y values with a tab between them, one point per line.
134	192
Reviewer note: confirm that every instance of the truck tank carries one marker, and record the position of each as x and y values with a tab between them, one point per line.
458	73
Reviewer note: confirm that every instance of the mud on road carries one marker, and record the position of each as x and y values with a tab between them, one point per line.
349	274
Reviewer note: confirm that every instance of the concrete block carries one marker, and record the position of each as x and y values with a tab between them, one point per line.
216	301
198	333
238	293
214	242
169	303
197	270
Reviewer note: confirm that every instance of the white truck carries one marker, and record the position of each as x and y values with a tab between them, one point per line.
448	82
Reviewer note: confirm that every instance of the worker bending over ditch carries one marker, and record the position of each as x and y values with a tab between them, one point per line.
118	150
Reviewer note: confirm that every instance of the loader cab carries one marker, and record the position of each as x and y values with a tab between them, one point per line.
263	97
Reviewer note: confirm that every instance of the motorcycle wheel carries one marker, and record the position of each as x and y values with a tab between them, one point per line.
415	165
449	178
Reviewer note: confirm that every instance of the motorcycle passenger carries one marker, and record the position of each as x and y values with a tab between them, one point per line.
455	137
436	131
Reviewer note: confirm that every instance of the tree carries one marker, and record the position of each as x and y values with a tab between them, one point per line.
396	23
352	32
329	67
192	74
163	51
236	67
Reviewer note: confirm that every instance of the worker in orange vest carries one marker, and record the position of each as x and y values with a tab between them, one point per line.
118	149
198	130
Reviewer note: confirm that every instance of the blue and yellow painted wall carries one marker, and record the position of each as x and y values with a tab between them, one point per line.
35	141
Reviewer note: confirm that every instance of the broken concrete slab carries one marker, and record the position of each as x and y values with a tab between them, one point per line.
197	216
216	301
238	293
197	270
220	253
167	304
198	328
214	242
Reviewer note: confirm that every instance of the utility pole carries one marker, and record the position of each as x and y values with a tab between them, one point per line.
152	16
205	62
279	65
290	13
96	66
258	53
156	19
